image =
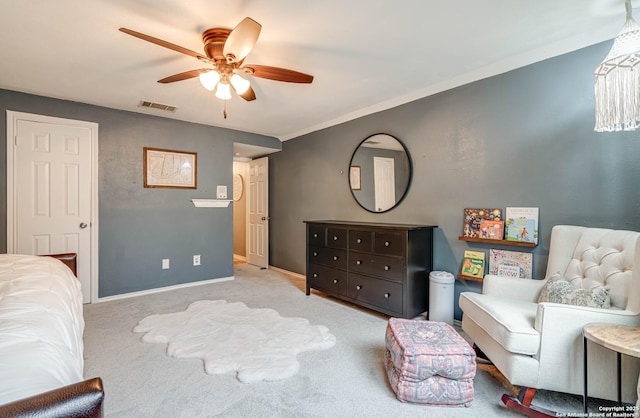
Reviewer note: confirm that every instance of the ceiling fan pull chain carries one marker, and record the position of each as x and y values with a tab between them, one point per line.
225	109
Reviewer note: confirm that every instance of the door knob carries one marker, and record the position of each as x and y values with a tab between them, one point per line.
265	218
83	225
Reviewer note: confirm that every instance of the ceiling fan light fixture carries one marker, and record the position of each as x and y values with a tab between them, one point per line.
240	85
223	92
209	79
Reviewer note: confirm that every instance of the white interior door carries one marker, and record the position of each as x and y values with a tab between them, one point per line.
385	180
258	213
52	192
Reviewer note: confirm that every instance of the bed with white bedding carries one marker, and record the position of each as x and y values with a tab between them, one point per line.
41	326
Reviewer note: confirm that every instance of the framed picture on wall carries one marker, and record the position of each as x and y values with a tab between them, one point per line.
170	169
354	177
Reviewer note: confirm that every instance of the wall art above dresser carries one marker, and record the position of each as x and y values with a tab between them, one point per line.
384	267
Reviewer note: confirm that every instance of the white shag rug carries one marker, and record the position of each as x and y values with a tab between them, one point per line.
257	343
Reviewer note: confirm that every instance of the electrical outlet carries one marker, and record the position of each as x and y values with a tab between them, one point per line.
196	260
165	264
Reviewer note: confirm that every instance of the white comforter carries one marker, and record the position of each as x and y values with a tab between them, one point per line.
41	326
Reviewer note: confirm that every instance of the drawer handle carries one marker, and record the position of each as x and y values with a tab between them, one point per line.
315	274
358	262
335	237
387	243
315	254
315	235
335	258
387	268
359	241
387	295
335	281
358	287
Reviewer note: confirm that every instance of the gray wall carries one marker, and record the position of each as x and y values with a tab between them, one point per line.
523	138
139	227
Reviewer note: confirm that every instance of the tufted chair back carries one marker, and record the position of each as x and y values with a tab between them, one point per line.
599	257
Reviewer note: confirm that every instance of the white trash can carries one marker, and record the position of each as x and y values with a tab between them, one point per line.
441	296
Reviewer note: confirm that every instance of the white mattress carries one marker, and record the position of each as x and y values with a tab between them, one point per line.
41	326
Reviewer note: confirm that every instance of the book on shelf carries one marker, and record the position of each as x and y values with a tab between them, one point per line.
473	264
491	229
473	217
514	264
521	224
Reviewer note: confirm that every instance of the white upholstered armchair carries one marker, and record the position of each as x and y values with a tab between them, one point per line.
539	345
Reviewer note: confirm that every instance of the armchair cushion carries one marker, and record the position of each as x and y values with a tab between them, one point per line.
559	290
603	257
509	322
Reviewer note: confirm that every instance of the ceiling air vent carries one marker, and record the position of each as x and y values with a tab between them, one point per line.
159	106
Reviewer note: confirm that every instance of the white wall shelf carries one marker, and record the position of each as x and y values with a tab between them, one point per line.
211	203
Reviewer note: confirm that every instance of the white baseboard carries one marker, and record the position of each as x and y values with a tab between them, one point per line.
289	273
239	257
163	289
457	323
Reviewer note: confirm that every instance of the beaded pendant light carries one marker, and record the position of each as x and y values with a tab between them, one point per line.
617	84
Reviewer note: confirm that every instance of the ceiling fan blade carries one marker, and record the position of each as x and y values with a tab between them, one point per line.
165	44
278	74
241	40
248	95
184	76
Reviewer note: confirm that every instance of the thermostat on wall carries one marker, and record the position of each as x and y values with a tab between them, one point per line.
221	192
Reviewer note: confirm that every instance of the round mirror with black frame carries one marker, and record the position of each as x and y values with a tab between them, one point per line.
380	173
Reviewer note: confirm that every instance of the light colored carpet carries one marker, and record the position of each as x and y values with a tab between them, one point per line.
257	343
348	380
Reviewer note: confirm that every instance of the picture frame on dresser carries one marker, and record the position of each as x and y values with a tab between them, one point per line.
354	177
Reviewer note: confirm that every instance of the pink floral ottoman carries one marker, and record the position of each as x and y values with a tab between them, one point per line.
429	363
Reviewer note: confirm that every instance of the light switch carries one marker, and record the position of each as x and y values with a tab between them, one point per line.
221	192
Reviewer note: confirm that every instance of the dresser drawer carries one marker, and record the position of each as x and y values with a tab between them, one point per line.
389	243
337	238
331	257
327	279
361	241
317	235
387	295
392	268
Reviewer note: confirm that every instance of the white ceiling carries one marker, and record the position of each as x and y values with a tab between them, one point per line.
365	55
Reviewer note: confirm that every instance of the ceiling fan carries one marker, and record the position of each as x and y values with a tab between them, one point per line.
225	50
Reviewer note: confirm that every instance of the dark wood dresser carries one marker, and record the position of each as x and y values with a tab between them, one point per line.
384	267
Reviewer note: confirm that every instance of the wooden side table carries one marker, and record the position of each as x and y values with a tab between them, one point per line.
622	339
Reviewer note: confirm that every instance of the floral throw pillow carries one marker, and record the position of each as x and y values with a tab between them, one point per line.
559	290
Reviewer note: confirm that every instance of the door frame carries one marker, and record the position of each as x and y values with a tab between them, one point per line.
12	120
248	213
385	181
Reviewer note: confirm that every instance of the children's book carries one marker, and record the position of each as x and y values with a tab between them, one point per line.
491	229
473	264
473	218
514	264
521	224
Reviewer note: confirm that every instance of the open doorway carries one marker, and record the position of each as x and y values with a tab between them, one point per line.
251	204
240	175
